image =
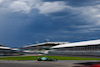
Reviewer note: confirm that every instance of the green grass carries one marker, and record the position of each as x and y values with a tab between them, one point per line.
56	57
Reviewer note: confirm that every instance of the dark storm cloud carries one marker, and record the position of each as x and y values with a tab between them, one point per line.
69	24
78	3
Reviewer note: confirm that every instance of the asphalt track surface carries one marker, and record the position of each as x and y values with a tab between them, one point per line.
30	64
25	65
68	63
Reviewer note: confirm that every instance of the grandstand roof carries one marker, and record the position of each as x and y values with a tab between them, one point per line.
16	49
45	43
4	47
84	43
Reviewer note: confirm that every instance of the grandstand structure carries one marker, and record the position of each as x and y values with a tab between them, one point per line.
41	48
88	48
7	51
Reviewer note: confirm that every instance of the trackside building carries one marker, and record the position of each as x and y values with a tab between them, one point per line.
91	48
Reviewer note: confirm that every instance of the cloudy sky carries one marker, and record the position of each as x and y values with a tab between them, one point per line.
27	21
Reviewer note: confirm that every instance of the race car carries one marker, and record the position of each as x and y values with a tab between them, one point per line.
46	59
96	65
92	64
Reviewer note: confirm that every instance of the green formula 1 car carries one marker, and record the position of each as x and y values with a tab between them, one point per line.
46	59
